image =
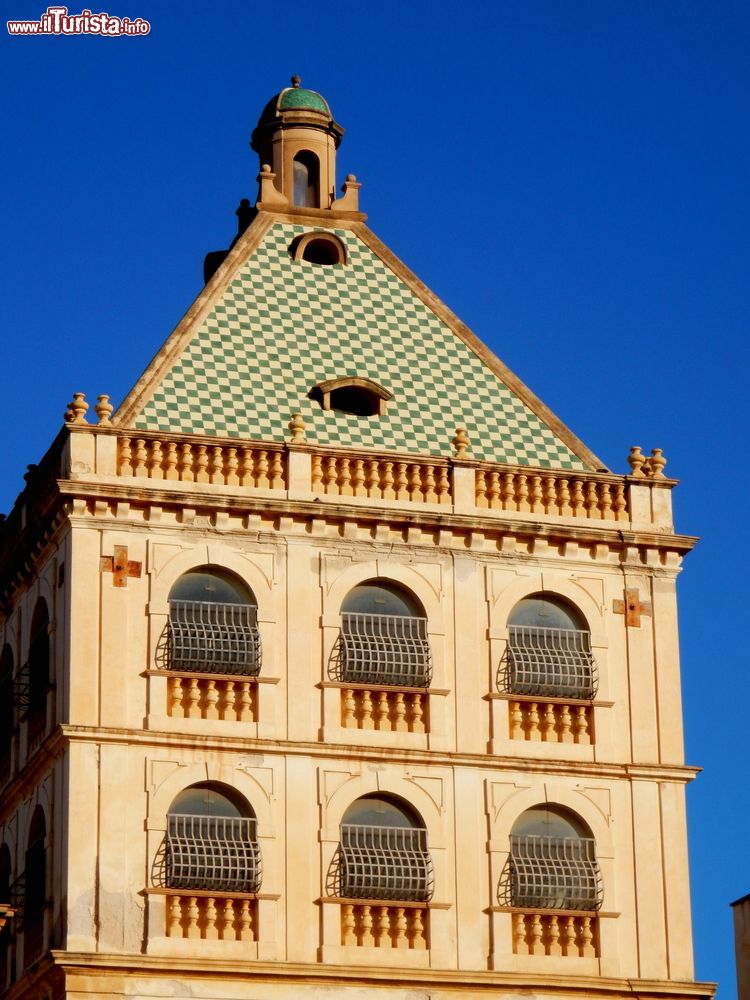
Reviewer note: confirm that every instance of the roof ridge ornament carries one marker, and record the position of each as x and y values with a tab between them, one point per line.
296	81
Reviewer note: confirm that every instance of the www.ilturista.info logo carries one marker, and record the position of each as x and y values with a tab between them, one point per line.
57	21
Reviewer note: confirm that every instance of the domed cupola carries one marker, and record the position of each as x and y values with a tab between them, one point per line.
297	138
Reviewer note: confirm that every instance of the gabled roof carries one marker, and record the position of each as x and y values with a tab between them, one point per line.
267	329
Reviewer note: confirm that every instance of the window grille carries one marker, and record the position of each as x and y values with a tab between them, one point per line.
17	899
212	852
384	862
553	873
22	688
205	637
551	662
384	649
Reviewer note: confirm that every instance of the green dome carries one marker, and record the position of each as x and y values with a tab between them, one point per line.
297	98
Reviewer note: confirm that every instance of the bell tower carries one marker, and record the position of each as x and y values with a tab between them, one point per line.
297	138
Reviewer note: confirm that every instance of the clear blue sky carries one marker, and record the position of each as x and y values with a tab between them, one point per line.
570	177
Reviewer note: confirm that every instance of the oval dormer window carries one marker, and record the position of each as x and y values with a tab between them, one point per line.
360	397
318	248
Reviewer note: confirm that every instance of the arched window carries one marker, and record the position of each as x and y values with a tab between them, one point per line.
552	863
6	713
383	852
361	397
549	650
212	841
306	172
38	673
35	888
383	637
213	624
318	248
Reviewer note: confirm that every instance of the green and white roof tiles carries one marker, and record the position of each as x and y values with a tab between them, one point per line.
282	326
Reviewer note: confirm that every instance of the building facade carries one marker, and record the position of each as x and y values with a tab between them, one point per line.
333	663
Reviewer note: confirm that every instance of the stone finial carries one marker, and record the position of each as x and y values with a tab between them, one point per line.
269	193
296	81
297	427
103	410
350	201
76	411
656	462
461	442
636	459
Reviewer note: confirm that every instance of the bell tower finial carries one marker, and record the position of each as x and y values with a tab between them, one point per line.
297	138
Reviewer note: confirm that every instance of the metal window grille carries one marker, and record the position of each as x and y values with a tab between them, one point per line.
554	873
552	662
212	852
205	637
17	899
22	688
384	649
384	862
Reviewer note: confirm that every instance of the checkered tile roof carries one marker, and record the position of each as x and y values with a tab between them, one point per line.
282	326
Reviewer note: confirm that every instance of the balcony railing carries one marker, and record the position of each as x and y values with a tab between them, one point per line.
384	862
383	650
207	637
219	853
549	662
552	873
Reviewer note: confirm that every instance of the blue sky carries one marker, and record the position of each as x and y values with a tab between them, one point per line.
570	177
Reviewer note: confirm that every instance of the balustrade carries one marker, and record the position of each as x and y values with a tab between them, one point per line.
366	925
540	933
208	696
416	482
551	722
561	496
219	917
386	710
188	462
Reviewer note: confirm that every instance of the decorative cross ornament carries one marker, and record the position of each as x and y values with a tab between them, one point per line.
632	608
120	566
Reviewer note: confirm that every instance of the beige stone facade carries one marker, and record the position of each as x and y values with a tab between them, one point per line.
120	511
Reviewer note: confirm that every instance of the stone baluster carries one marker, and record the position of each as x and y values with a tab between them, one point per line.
550	495
193	913
400	940
211	699
388	481
577	500
522	492
564	498
174	917
533	731
581	726
481	488
170	462
605	500
231	468
400	725
366	720
382	928
402	481
228	709
536	934
553	937
358	478
246	702
175	698
493	491
227	932
348	935
201	464
620	504
416	722
277	471
592	499
373	479
549	723
262	481
509	491
331	477
536	496
124	467
193	699
566	723
569	946
186	463
155	460
520	945
430	495
210	928
345	478
366	938
216	475
443	485
317	474
141	456
418	936
247	922
383	721
586	942
516	720
348	709
247	468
